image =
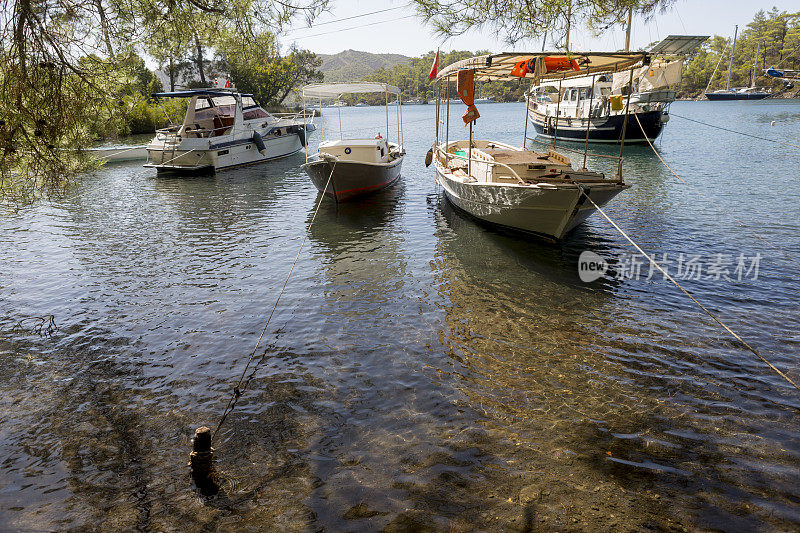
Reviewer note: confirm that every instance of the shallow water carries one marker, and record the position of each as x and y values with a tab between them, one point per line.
422	371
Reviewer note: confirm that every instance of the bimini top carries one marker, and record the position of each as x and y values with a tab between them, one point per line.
544	65
197	92
334	90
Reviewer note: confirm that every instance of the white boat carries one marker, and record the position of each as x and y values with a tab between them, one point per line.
537	192
225	129
344	169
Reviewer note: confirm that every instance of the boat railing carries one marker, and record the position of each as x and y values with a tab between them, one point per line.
592	154
471	159
303	114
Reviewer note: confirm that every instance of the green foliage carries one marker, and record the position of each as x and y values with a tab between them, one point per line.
516	20
263	72
67	73
775	33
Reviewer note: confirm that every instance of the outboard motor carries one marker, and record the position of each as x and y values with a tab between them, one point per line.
259	142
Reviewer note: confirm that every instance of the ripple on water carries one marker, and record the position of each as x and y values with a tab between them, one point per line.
422	371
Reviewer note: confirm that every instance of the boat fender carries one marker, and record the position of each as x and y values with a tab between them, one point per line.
301	134
259	142
429	157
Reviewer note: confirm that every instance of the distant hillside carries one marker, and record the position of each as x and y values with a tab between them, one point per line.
352	65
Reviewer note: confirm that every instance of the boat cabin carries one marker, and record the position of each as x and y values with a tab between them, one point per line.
217	112
365	150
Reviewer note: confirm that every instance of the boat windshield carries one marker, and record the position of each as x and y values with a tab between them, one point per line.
251	109
206	108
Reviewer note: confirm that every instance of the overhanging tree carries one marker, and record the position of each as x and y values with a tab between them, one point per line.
59	76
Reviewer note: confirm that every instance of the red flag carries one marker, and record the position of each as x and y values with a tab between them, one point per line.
434	67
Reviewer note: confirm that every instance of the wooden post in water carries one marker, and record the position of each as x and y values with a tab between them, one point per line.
201	461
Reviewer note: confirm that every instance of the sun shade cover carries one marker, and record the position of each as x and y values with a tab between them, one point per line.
335	90
499	66
679	44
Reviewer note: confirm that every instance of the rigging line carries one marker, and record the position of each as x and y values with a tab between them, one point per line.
348	18
237	391
788	56
742	224
360	26
734	131
716	67
687	293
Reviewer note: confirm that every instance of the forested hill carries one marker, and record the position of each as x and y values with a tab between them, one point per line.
352	65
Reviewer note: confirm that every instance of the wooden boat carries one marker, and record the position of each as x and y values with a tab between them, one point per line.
536	192
344	169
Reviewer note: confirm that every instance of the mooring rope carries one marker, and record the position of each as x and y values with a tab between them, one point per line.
112	154
237	390
687	293
735	131
715	204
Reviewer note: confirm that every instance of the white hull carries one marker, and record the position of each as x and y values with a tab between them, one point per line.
547	209
220	155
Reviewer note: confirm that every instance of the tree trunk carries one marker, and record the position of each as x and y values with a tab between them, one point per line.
104	27
200	60
171	75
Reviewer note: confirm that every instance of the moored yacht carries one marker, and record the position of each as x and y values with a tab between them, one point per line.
224	129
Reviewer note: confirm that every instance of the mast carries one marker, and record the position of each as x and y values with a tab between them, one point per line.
628	30
755	65
733	50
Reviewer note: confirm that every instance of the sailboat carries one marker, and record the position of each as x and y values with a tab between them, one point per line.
740	93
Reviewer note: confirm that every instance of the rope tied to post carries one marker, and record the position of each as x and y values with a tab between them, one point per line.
201	458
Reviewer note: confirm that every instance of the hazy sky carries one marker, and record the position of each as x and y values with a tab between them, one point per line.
398	31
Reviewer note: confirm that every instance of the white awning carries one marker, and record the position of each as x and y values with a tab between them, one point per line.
335	90
498	66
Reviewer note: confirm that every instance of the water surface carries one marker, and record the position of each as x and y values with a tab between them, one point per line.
422	372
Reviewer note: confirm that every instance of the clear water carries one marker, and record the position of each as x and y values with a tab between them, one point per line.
422	372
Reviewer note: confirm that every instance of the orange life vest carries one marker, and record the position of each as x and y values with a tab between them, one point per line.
470	115
466	86
559	63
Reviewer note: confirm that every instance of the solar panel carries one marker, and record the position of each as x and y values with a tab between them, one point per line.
679	44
